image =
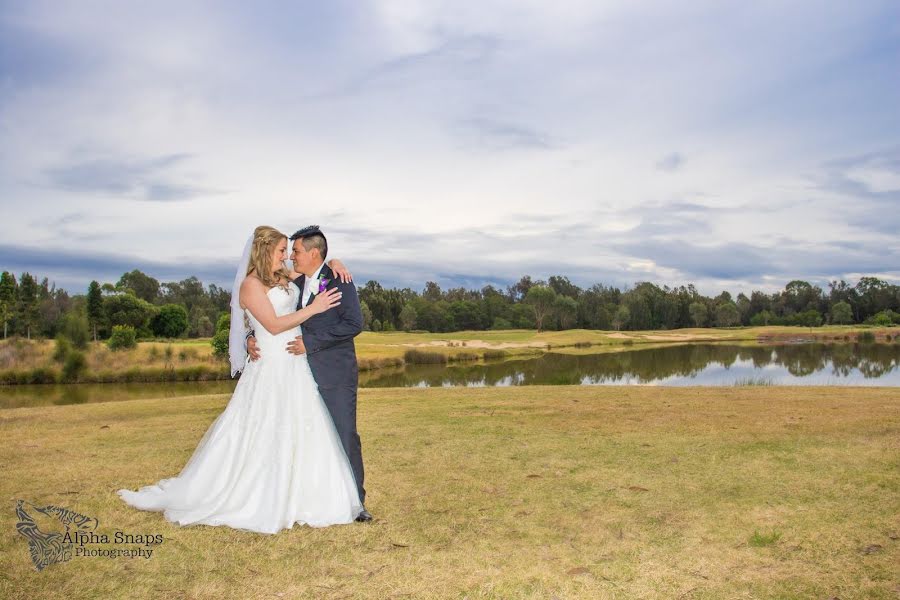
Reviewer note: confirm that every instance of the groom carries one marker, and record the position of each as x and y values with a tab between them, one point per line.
327	341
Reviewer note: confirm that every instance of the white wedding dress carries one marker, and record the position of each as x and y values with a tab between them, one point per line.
272	458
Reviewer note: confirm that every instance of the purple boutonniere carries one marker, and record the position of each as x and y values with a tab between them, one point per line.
323	284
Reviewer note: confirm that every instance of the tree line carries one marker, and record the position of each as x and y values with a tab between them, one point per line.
187	308
557	304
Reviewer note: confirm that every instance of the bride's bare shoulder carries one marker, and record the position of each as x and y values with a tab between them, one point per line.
252	283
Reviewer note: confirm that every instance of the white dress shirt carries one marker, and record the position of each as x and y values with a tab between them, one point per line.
308	283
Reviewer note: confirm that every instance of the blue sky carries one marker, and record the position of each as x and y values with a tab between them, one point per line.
733	145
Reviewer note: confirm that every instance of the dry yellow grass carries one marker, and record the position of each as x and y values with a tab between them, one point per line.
538	492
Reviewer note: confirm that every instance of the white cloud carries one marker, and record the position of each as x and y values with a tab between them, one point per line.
422	132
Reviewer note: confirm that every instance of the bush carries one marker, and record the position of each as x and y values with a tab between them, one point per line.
866	337
63	347
370	364
75	366
41	375
494	354
884	319
463	356
170	322
224	323
500	323
420	357
123	337
220	343
75	328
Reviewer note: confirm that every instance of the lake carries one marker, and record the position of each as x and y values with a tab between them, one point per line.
681	365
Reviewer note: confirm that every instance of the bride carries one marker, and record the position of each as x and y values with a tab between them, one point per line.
272	458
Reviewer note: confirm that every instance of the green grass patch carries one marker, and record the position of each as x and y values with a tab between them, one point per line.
761	540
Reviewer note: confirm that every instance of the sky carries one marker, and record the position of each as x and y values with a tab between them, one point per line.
732	145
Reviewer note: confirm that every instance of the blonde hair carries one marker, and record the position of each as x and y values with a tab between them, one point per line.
265	239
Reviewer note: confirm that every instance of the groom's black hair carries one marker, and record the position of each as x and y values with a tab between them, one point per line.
312	237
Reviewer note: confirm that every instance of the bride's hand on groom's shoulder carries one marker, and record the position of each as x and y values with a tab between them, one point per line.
340	271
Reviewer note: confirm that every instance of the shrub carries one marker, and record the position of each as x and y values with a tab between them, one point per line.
422	357
219	343
583	344
41	375
170	322
463	356
866	337
370	364
123	337
500	323
494	354
74	367
75	328
62	349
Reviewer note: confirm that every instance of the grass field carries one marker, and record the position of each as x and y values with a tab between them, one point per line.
535	492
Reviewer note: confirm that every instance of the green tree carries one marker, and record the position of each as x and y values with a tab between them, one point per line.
763	317
205	327
541	299
94	307
432	292
366	315
566	310
28	303
8	299
143	286
841	313
408	317
125	309
74	327
699	314
621	318
727	315
170	321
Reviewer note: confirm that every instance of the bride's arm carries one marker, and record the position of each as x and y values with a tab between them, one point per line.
340	270
253	297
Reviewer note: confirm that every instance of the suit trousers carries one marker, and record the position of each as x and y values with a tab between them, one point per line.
341	403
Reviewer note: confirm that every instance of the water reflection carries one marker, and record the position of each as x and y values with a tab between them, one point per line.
13	396
695	364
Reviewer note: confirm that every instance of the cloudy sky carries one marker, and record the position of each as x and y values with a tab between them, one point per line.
735	145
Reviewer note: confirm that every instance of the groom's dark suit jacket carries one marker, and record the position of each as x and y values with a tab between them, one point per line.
328	338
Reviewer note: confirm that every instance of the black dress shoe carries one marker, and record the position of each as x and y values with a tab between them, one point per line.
364	516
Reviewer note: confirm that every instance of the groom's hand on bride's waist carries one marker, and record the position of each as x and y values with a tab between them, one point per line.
296	346
252	348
